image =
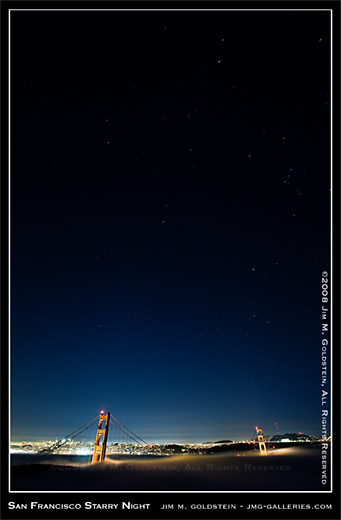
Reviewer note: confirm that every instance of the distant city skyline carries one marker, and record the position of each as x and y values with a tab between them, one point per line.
165	441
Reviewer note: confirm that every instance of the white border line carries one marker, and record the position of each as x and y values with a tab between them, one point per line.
168	10
331	344
331	237
9	250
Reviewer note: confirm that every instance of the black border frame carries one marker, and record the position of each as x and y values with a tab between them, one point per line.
155	499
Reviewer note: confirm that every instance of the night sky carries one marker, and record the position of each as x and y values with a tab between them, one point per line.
170	188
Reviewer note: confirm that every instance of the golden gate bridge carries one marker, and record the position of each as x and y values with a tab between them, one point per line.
105	420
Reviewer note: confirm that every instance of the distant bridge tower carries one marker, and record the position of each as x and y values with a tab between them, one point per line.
101	438
261	443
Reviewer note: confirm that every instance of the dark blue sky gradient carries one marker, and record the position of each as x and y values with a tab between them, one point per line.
170	221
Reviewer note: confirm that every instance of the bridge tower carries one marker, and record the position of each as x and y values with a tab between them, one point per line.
261	442
101	438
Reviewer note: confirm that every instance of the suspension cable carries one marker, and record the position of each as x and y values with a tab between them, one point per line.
143	441
125	433
56	445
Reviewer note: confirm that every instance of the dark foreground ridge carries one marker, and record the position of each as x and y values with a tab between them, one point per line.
284	469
